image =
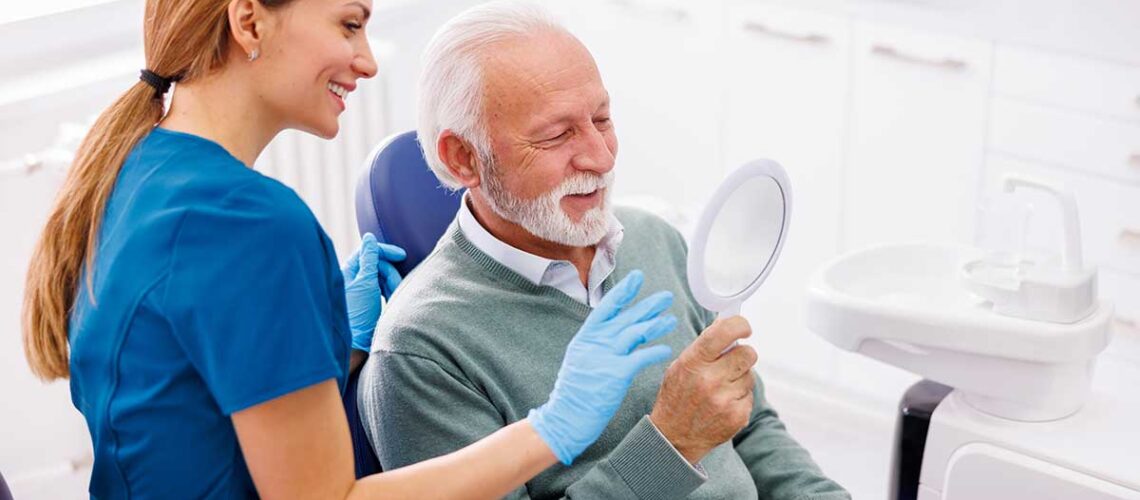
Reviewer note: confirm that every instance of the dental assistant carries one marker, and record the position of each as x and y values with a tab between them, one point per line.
198	308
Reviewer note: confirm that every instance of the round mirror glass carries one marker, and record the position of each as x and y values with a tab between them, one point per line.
744	237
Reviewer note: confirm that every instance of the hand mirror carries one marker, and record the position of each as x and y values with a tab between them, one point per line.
739	236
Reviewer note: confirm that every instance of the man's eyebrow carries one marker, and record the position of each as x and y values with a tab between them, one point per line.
541	125
605	102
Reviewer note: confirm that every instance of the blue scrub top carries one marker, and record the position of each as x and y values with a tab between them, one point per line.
215	289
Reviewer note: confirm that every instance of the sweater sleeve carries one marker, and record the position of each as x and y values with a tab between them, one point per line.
414	410
780	467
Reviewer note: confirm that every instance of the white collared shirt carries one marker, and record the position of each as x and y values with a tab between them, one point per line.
559	274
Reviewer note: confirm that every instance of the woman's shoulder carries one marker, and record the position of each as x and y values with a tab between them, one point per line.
198	177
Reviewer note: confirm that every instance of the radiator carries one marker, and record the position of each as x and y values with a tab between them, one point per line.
322	172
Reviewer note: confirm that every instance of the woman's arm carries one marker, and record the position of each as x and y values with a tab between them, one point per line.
298	446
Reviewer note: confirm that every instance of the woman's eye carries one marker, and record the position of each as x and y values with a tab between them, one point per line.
352	26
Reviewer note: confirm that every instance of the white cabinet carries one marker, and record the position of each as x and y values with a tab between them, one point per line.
1066	138
918	130
1068	82
660	63
786	87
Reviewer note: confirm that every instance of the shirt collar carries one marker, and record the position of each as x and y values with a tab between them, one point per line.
530	266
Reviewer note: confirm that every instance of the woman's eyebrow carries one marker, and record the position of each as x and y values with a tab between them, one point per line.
367	11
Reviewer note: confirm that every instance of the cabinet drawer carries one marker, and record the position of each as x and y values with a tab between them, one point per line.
1109	213
917	135
1076	140
1081	84
750	22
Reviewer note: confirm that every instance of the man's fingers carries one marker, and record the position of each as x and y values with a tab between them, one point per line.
617	298
737	362
646	331
719	336
742	387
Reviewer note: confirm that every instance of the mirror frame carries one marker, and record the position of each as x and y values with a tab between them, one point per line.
730	304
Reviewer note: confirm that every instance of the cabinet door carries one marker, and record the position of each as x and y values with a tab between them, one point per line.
917	136
914	157
787	77
659	62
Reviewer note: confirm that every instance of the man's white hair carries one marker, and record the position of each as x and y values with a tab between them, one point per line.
451	84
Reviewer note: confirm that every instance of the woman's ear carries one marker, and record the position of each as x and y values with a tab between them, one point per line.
460	159
246	23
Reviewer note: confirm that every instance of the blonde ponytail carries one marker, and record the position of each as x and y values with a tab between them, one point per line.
182	39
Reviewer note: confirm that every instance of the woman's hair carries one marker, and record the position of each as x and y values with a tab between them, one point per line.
451	84
183	40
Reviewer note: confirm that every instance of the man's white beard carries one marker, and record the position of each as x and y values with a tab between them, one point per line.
544	217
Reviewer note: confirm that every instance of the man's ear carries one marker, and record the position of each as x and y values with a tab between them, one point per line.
460	159
246	23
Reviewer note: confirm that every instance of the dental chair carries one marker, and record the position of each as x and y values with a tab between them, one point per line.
401	202
5	493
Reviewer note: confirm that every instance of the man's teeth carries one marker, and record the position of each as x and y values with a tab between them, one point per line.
338	90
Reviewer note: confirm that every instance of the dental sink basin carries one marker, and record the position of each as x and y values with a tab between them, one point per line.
907	305
1017	335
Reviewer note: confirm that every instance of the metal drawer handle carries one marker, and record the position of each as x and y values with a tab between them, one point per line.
81	462
946	63
677	14
1129	236
761	29
27	165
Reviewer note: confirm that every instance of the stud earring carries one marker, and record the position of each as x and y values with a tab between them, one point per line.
253	55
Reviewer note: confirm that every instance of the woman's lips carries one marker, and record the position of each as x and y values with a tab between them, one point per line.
337	99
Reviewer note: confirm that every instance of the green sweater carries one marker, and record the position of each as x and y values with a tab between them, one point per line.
468	346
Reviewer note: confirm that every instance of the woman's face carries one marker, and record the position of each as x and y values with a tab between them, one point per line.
311	60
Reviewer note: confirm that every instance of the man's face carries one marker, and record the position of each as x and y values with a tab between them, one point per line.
548	120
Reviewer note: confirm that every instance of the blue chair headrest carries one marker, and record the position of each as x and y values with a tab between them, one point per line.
401	202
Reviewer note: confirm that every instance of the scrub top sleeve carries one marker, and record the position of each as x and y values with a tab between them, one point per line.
249	297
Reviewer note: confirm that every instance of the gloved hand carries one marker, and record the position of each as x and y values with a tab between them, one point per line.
368	275
599	366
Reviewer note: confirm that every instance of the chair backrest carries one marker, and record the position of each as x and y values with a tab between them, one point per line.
401	202
5	493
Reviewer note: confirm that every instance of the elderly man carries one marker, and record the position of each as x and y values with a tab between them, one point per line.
513	108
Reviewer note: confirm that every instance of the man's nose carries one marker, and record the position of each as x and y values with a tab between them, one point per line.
595	154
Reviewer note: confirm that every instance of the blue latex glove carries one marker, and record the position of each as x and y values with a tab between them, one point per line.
369	275
599	366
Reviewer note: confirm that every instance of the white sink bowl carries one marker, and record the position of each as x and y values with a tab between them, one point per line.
903	304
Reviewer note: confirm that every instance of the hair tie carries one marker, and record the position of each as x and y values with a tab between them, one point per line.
160	84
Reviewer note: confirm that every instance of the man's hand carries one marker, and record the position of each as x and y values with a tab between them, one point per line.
706	397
